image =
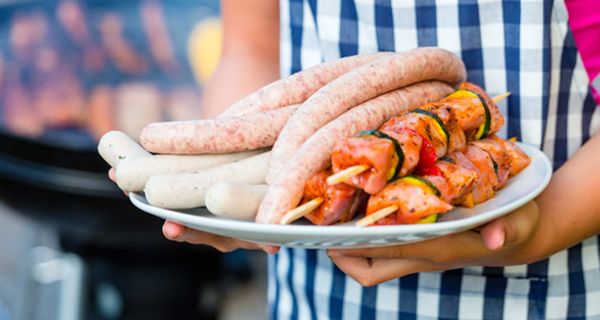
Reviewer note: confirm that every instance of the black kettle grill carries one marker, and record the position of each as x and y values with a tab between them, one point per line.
55	176
68	189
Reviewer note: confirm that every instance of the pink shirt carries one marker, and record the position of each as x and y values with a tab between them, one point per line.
584	19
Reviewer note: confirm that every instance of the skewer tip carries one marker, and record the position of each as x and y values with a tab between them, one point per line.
501	97
301	211
377	215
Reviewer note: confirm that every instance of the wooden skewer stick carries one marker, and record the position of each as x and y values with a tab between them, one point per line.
301	211
343	176
346	174
379	214
501	97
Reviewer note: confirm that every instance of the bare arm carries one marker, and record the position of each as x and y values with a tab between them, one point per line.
250	60
570	206
250	56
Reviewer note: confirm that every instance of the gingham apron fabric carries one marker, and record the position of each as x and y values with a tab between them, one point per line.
524	47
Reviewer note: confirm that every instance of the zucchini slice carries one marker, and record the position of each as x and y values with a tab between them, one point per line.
429	219
484	130
495	164
439	124
446	158
397	147
423	183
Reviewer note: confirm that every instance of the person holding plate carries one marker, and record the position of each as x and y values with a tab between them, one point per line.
540	261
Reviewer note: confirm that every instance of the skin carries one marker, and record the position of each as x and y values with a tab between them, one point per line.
250	57
250	60
550	223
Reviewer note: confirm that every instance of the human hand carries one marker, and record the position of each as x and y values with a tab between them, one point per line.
510	240
112	175
177	232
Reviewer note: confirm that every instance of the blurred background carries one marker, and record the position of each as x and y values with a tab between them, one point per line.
71	245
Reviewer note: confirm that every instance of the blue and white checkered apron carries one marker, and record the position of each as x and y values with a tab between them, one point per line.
524	47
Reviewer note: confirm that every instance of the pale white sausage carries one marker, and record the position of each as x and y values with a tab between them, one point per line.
235	200
115	146
188	190
132	174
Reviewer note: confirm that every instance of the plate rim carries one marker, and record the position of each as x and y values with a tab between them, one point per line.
139	201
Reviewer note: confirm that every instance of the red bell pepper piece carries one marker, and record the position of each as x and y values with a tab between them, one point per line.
432	170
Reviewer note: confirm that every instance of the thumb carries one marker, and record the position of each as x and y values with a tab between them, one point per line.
112	174
174	231
514	228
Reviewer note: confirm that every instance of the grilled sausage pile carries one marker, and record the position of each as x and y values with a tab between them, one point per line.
421	139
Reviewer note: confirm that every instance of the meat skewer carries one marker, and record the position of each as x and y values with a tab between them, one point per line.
285	193
417	146
361	84
467	178
455	136
326	204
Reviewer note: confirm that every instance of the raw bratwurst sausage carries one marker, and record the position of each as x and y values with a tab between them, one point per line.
115	146
357	86
187	190
286	191
132	174
221	135
235	200
299	86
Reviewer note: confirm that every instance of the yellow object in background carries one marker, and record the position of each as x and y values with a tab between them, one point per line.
204	48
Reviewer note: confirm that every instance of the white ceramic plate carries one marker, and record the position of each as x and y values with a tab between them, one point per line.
519	190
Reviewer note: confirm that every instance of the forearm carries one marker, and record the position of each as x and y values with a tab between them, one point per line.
250	56
237	76
570	206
